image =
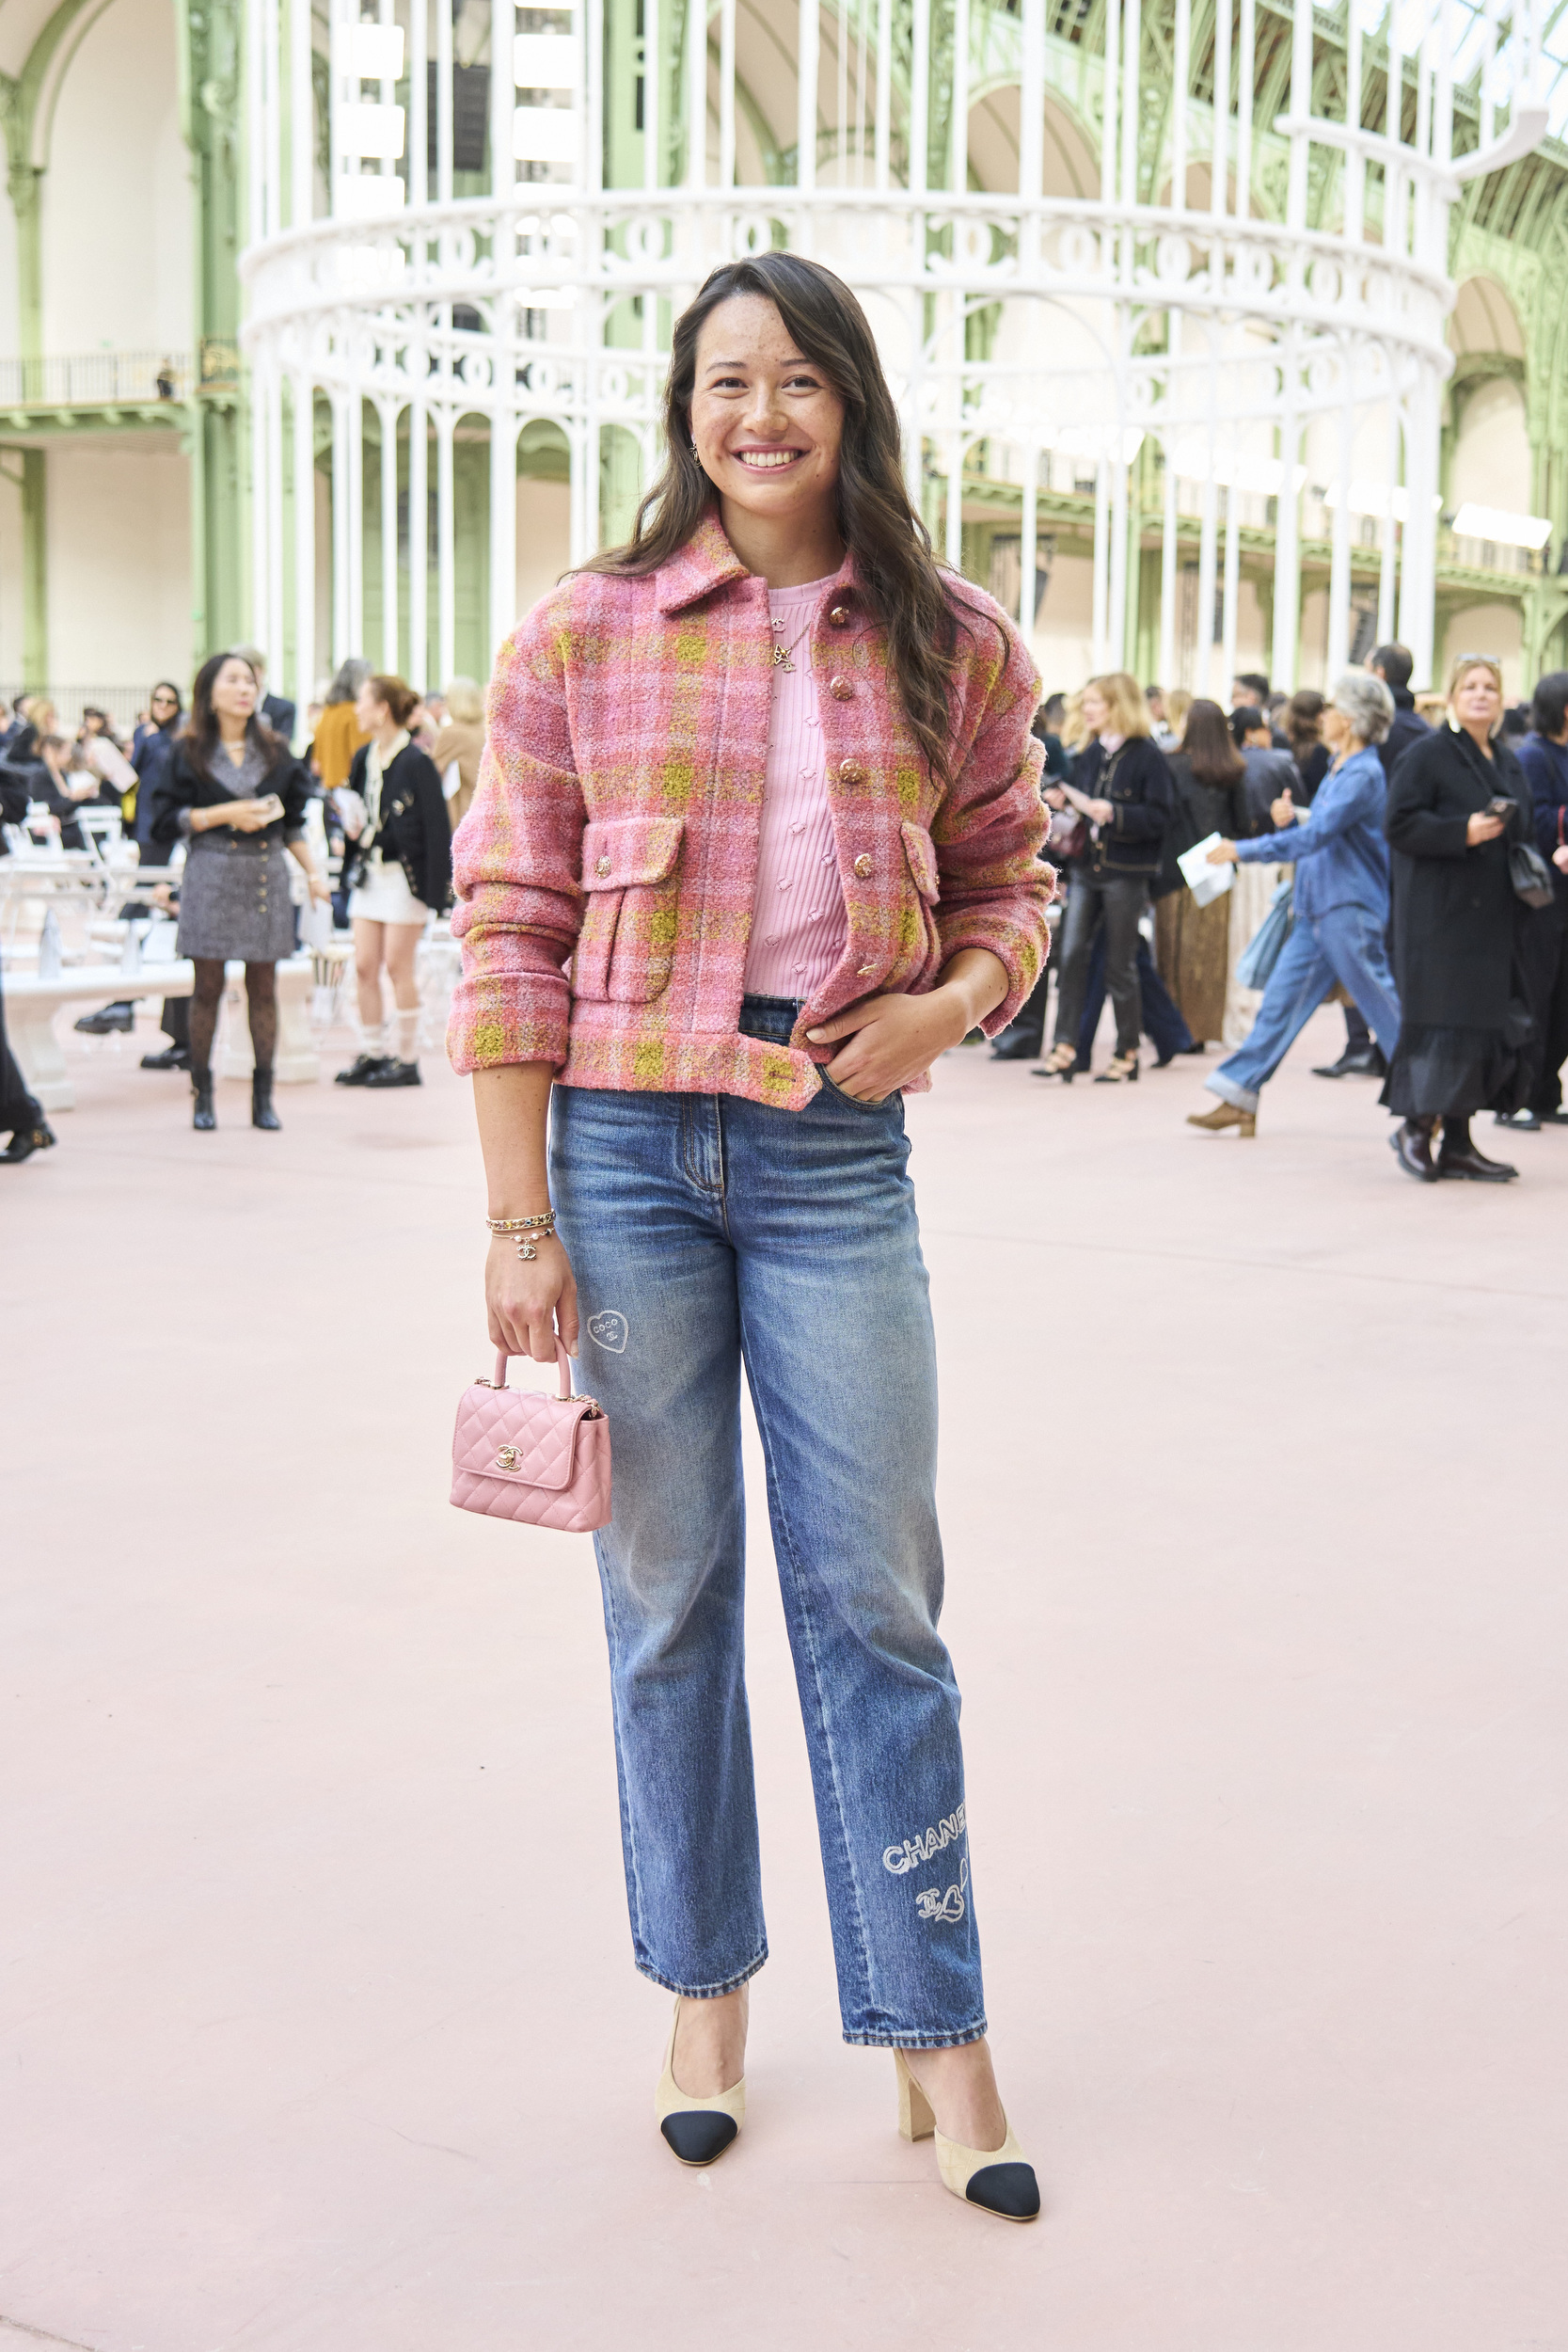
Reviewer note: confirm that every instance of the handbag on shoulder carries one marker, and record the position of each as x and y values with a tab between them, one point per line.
519	1454
1529	873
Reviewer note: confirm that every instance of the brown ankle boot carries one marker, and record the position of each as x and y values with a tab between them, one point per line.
1225	1115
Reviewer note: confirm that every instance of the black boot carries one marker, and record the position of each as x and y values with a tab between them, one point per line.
26	1141
203	1117
1357	1061
261	1112
1458	1156
1411	1144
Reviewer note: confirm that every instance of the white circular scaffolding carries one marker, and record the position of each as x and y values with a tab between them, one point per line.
1201	342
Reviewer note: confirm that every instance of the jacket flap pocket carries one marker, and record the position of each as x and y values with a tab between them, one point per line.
921	852
522	1439
629	852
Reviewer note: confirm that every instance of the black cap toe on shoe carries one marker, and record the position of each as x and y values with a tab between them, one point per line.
1009	2190
698	2134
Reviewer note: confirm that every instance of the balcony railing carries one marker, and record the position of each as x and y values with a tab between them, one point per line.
97	379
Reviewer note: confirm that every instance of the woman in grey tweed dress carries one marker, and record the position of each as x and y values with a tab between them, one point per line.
234	792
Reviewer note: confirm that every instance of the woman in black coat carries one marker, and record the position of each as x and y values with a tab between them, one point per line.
1208	778
1121	788
396	865
1456	803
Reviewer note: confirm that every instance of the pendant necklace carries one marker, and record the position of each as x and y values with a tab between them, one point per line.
782	653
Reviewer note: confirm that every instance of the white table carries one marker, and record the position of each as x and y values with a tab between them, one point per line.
32	1006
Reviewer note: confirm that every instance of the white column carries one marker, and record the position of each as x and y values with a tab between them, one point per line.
1219	151
302	120
446	547
884	83
1181	72
1338	571
1287	559
920	122
342	643
1301	106
257	441
958	125
1108	112
1355	165
503	527
696	95
443	110
418	548
954	517
255	129
1101	622
504	96
810	54
419	104
1028	543
353	501
1390	527
1247	81
1120	471
1169	543
273	618
305	542
272	114
1418	571
391	660
1203	674
1230	600
726	93
1131	37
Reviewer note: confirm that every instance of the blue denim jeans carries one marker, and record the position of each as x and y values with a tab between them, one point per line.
1345	944
707	1232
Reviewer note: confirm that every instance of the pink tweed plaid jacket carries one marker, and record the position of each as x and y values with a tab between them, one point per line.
618	815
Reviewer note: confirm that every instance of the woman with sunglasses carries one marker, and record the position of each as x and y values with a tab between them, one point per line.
764	778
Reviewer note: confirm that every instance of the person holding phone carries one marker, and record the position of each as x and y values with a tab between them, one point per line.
1455	803
235	794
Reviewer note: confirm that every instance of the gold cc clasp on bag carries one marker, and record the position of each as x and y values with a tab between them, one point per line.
507	1458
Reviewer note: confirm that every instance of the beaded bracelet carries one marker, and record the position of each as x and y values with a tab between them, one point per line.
525	1230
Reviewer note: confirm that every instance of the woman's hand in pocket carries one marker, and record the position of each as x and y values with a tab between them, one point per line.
530	1299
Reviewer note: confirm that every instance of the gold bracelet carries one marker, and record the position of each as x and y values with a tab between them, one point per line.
520	1224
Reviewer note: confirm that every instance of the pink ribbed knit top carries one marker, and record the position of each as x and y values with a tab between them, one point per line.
799	921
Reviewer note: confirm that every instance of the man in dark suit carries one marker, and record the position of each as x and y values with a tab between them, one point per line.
1393	664
276	713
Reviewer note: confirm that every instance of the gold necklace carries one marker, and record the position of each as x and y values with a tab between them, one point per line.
782	653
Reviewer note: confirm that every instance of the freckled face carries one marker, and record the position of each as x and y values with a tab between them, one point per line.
766	420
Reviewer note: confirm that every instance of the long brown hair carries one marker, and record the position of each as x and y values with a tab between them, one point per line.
1210	753
918	607
198	737
1303	722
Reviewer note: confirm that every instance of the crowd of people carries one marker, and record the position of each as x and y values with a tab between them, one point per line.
220	790
1427	892
1407	833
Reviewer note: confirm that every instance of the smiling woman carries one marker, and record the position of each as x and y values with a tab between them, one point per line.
764	776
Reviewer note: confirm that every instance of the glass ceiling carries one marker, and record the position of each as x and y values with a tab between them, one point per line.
1479	21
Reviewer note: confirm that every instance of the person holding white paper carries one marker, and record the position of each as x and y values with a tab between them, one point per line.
1342	902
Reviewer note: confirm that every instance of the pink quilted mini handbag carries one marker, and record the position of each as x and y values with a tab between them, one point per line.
518	1454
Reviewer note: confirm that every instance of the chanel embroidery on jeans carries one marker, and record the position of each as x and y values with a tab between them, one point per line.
914	1851
609	1331
949	1908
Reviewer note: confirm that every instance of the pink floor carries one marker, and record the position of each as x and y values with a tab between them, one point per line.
319	2027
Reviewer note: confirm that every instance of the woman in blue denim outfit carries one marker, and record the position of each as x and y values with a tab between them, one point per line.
1342	902
704	1231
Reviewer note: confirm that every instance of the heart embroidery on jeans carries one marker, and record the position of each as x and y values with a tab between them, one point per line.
609	1331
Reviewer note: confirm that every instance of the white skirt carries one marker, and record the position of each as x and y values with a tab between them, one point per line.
384	896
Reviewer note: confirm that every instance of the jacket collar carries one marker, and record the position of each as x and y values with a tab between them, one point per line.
706	562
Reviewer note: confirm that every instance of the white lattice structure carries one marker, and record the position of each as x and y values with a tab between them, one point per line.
1146	349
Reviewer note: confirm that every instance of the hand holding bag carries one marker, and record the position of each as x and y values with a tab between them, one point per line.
518	1454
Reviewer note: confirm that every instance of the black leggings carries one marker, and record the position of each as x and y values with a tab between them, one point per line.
260	988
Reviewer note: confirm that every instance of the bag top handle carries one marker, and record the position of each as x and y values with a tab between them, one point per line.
503	1357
